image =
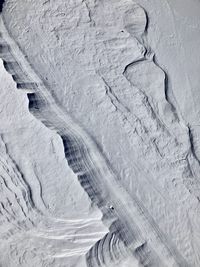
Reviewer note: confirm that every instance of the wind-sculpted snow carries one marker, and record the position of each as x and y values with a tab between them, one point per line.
93	80
16	199
32	231
91	169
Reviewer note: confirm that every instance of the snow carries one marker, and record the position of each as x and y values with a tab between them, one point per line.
100	158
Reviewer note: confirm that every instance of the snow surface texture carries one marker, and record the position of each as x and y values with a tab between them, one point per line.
100	163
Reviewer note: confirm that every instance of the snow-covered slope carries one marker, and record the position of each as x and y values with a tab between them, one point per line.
106	171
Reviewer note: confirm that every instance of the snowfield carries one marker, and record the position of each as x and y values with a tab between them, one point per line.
100	133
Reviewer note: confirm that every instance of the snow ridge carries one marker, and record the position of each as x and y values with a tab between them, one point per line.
132	228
